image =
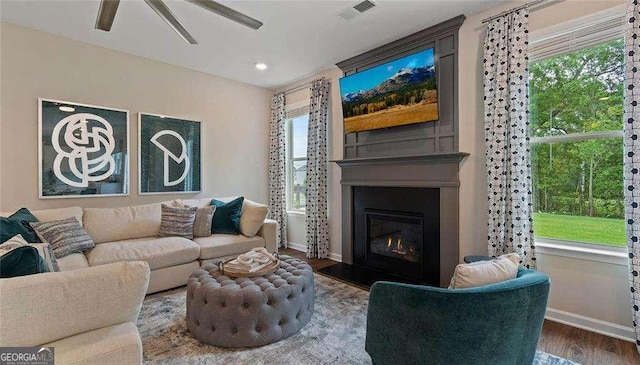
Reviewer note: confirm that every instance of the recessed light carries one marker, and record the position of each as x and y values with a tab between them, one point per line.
67	109
261	66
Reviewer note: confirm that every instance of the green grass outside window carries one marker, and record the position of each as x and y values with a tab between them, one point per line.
604	231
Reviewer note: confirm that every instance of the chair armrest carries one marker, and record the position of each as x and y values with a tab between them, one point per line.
268	232
42	308
400	316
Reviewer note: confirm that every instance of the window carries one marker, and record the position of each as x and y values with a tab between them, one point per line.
576	104
297	126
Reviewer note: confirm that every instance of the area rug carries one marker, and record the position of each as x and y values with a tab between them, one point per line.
335	334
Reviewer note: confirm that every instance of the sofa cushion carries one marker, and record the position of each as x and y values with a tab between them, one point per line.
157	252
219	245
116	224
48	215
38	309
200	202
73	262
253	215
117	344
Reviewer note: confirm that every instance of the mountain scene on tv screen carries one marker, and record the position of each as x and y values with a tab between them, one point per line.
399	92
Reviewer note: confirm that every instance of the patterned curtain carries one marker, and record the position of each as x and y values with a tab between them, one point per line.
510	224
278	168
317	232
632	155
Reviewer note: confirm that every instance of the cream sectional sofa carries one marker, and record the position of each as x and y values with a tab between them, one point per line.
131	234
88	315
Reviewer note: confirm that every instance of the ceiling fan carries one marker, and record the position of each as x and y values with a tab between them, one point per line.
108	8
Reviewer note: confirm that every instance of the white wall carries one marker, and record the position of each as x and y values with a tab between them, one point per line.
594	294
235	116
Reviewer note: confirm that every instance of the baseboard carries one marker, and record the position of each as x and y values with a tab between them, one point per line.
297	246
303	248
335	257
591	324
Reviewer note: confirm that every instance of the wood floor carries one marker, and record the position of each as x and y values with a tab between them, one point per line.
571	343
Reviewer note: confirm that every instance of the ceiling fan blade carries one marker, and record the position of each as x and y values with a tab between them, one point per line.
106	14
227	12
163	11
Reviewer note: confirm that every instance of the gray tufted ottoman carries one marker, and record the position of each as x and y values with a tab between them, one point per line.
246	312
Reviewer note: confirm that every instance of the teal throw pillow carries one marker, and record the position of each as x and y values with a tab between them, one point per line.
21	261
226	218
18	223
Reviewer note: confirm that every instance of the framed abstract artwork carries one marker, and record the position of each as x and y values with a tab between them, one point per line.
83	150
169	155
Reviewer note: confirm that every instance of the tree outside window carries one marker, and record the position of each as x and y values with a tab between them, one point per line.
576	102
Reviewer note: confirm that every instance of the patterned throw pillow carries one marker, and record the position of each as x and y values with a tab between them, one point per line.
66	236
204	218
44	250
177	222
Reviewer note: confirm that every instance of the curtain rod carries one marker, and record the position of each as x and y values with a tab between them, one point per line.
301	87
297	88
529	4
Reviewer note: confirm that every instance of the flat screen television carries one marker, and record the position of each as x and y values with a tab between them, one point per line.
400	92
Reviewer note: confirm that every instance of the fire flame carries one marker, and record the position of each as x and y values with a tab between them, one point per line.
399	249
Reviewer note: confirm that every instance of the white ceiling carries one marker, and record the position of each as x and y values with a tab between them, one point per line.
298	38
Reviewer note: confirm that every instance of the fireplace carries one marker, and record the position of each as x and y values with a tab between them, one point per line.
423	156
400	216
396	235
396	230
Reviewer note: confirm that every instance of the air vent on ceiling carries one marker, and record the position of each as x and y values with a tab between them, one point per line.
364	6
357	9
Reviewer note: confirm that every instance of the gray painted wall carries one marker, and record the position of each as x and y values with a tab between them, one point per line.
414	139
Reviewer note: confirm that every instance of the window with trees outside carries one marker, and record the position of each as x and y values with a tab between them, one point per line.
576	104
297	127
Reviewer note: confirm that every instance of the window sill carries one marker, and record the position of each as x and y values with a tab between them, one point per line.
582	251
296	213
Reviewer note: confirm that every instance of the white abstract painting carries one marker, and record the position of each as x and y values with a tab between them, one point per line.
83	151
169	155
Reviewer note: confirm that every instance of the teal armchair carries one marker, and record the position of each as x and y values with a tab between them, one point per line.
492	324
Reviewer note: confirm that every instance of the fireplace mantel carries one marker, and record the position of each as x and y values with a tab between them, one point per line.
426	171
439	170
426	158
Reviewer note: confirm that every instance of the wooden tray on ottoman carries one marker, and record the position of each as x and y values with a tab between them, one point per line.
235	273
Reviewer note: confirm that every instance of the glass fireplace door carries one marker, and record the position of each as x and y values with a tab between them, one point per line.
394	240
